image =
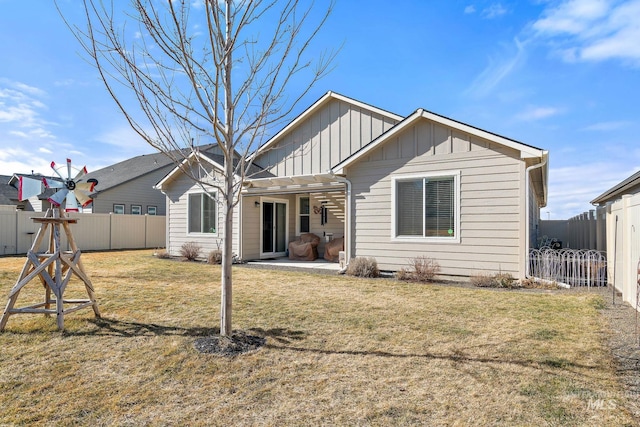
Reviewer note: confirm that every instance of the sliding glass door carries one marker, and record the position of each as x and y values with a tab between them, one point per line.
274	228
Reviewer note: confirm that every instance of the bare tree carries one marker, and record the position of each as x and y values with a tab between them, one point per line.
215	70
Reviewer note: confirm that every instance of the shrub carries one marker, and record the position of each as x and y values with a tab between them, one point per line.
215	257
190	250
363	267
421	269
162	254
497	280
482	280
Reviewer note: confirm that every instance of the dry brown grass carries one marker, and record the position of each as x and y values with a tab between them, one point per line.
340	351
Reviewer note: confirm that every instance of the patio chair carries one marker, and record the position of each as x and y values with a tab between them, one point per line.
332	249
305	248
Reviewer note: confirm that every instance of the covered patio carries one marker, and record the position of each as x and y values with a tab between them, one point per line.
277	210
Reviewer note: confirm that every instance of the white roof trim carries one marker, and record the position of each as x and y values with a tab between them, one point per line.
313	108
285	181
175	171
525	150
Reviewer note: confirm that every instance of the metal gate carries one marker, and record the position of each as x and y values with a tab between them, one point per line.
570	266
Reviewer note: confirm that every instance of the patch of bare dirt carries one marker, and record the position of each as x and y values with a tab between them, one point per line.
238	343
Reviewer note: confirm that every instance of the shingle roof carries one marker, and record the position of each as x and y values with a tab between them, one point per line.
8	193
127	170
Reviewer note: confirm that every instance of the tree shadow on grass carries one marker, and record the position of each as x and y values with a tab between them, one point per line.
120	328
457	357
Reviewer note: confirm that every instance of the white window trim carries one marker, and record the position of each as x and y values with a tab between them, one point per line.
456	184
298	197
199	233
152	214
119	204
139	209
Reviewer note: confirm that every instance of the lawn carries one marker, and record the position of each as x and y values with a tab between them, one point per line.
340	351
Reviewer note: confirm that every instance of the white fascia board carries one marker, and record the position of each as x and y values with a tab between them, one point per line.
175	171
525	150
339	168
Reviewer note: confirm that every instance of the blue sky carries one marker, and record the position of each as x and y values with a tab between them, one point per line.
559	75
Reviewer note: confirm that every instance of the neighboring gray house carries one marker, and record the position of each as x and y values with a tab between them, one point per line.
394	187
128	187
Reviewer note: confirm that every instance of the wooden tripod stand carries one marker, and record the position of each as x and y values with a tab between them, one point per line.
54	268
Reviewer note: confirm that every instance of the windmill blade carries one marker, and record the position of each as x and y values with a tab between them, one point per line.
52	183
71	205
82	172
68	168
53	166
85	186
82	197
58	197
28	187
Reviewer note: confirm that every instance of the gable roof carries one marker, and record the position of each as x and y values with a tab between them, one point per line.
628	186
326	98
526	151
127	170
215	160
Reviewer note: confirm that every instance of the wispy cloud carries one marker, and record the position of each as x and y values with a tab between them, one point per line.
498	69
607	126
21	109
572	187
592	30
533	113
469	9
493	11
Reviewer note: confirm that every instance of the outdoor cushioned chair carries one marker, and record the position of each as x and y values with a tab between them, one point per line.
305	248
332	249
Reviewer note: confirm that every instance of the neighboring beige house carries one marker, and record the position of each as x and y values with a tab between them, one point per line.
622	202
394	187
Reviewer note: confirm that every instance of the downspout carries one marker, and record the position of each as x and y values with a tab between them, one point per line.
347	232
527	207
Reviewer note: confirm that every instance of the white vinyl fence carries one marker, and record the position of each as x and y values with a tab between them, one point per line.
623	246
91	232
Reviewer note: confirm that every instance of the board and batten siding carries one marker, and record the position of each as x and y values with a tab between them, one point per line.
491	201
177	231
327	137
138	191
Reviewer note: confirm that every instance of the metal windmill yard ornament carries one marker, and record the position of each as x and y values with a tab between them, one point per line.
48	262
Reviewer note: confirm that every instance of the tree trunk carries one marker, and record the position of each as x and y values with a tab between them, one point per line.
227	262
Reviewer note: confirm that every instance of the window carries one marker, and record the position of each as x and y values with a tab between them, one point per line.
118	209
427	206
303	215
152	210
136	210
202	213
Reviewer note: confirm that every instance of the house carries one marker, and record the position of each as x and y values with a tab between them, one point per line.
127	187
622	203
8	194
393	187
38	203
